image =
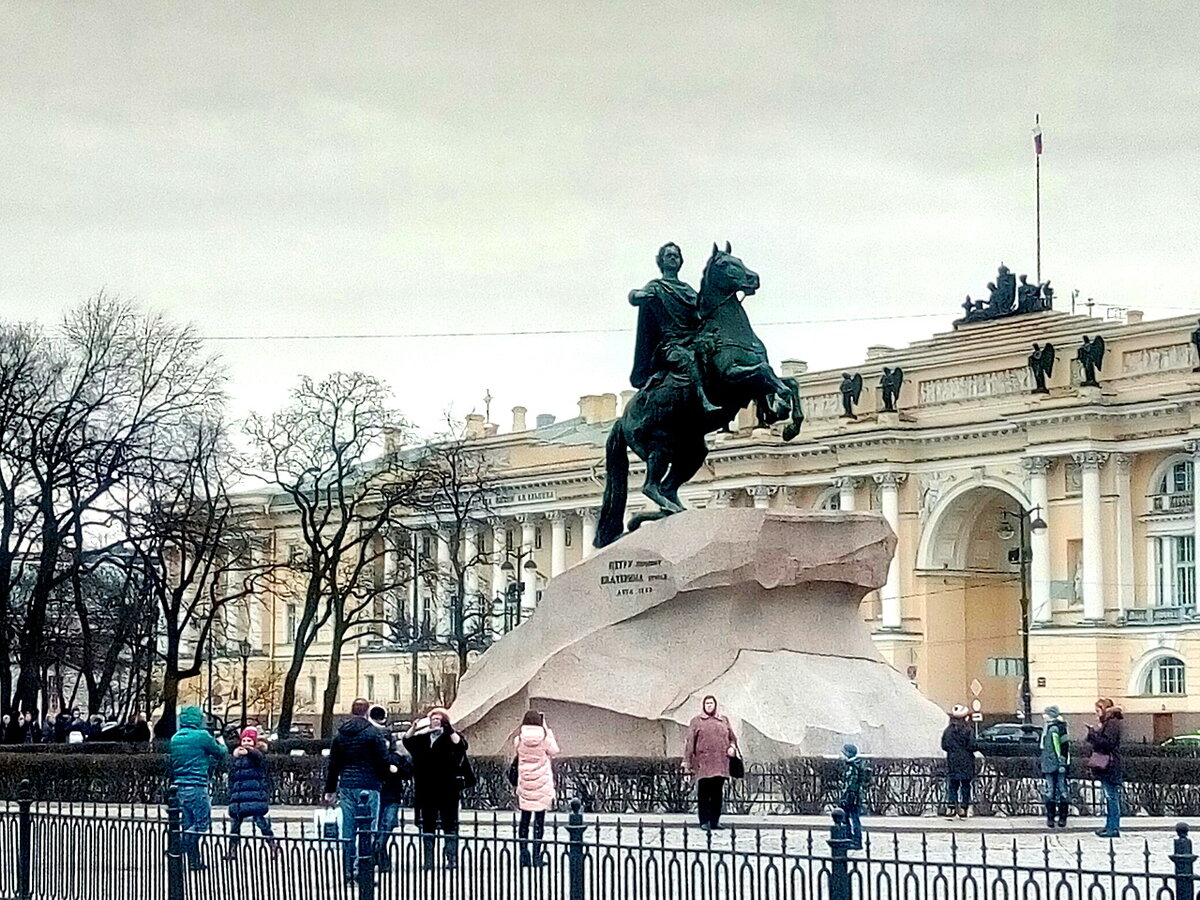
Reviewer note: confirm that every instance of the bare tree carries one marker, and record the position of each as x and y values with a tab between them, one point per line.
327	452
111	385
459	481
196	550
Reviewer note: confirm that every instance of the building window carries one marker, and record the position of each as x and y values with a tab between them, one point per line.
1166	676
1175	564
312	689
1177	479
426	546
395	687
369	687
832	501
537	539
290	629
567	536
508	541
1005	667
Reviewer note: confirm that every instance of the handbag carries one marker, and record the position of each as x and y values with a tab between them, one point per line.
1099	762
737	766
328	823
512	772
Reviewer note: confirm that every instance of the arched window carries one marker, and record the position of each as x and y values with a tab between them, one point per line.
1165	676
1177	479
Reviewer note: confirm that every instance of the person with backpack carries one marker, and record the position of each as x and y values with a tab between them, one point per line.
855	778
249	797
1054	763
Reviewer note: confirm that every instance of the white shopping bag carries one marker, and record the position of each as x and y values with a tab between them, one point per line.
328	822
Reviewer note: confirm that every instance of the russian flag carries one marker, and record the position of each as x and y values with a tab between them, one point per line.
1037	140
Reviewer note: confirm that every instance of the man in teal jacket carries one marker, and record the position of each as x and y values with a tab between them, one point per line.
193	753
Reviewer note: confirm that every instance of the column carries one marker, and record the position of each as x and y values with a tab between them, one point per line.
761	494
528	576
442	613
1124	555
471	578
846	487
558	542
255	599
719	499
1040	607
499	579
391	569
414	583
1151	571
1193	447
889	595
587	518
1093	553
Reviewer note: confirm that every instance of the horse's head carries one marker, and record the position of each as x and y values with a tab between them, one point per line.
725	274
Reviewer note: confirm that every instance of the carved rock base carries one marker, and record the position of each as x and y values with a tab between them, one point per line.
758	607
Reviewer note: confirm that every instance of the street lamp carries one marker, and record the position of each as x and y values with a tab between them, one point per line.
244	652
1036	525
512	594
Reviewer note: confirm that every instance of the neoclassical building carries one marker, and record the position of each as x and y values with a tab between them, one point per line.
1097	482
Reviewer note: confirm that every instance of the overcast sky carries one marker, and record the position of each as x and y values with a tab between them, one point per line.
408	168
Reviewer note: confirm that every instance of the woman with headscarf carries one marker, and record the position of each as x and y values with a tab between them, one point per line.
535	746
707	748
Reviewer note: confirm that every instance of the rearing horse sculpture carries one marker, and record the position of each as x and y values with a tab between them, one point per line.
664	423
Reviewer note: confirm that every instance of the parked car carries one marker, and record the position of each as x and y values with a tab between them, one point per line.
1182	742
1011	733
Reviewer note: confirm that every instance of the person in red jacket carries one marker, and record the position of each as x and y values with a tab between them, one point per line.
707	748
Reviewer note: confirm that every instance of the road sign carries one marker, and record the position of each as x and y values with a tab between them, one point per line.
976	688
976	706
976	717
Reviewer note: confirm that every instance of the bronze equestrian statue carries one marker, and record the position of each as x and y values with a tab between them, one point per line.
697	363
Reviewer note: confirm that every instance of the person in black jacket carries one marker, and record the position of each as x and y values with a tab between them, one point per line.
391	801
1105	763
439	760
249	797
958	740
357	763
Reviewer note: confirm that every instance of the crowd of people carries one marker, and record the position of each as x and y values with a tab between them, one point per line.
366	759
1104	763
69	727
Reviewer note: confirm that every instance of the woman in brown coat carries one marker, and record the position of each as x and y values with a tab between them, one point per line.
707	748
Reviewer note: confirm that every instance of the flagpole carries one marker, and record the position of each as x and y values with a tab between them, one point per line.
1037	169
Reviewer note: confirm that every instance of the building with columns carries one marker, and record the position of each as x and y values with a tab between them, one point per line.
966	472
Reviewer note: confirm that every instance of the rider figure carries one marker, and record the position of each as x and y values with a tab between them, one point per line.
668	320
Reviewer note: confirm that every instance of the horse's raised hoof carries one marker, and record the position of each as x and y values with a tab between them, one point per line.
665	504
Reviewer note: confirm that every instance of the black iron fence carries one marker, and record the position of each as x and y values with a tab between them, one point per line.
94	853
1009	786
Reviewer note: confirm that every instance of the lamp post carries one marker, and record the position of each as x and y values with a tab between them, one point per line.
512	593
1031	520
244	652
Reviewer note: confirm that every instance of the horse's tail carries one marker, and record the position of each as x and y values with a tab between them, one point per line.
616	487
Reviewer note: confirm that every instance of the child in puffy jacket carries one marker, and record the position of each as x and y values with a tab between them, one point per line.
249	797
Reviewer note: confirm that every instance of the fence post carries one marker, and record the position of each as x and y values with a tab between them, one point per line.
575	830
364	847
1185	864
174	846
24	840
839	868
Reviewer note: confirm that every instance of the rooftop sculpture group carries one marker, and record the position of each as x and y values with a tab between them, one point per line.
1006	298
697	362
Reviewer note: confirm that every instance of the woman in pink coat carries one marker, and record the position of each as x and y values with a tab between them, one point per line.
535	746
707	748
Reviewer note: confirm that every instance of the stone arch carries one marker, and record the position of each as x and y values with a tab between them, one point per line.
943	540
1163	469
829	498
